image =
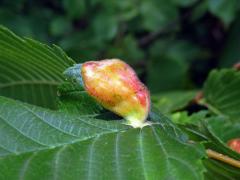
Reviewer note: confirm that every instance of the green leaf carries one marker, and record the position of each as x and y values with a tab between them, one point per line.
72	143
74	8
63	126
60	26
231	53
168	68
221	92
149	154
220	131
82	46
75	100
220	170
128	8
168	102
30	71
105	26
199	10
72	146
184	3
157	13
126	49
224	9
29	128
125	9
184	118
166	74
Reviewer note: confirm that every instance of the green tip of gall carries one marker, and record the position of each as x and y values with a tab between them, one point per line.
74	74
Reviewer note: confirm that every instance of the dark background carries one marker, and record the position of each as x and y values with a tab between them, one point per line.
172	44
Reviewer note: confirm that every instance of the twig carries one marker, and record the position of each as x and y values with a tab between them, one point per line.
223	158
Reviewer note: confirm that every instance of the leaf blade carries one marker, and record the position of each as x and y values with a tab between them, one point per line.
221	92
96	158
30	71
28	128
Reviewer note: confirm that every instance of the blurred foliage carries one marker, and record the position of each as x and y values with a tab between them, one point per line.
172	44
170	102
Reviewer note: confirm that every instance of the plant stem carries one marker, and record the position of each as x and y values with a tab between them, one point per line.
223	158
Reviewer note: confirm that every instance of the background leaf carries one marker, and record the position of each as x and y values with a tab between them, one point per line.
221	91
173	100
153	17
224	9
169	65
221	130
231	53
184	118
